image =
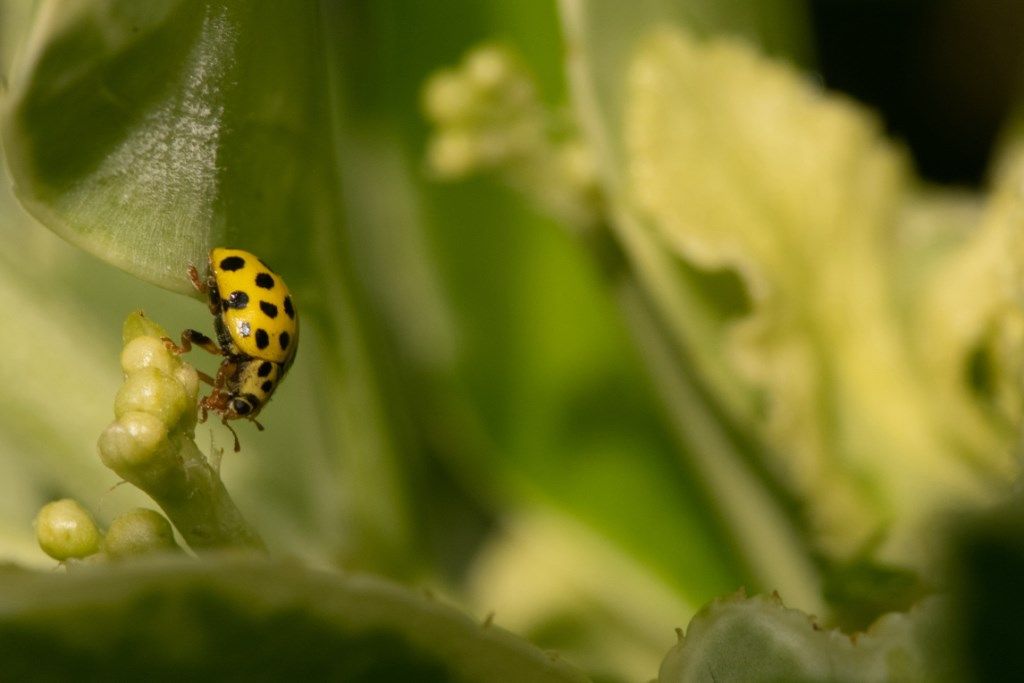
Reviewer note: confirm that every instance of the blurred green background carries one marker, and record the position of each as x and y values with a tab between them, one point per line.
469	409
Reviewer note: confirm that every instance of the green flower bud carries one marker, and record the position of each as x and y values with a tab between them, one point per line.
66	530
132	440
489	68
189	379
152	391
138	532
489	117
138	325
148	352
453	153
495	147
448	98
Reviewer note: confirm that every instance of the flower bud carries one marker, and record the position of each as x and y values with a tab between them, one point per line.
138	532
147	352
489	117
66	530
138	325
448	98
132	440
489	68
152	391
452	153
189	379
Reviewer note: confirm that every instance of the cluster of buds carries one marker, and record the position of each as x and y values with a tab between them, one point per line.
156	404
66	531
151	444
488	118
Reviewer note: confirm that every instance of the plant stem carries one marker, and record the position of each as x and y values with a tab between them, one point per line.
181	481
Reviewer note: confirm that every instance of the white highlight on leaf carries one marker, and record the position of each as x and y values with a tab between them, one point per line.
164	174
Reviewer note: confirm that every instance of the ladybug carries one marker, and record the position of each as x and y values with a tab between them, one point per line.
257	333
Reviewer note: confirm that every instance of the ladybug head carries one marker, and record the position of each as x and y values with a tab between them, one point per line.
242	406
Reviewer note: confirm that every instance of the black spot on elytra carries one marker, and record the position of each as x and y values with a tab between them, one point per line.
237	299
265	369
232	263
284	339
265	281
288	307
267	386
241	407
262	339
244	328
268	308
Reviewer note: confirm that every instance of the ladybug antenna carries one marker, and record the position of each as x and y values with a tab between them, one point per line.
231	429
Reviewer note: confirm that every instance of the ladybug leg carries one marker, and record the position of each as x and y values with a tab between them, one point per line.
225	371
208	288
205	378
190	338
217	401
213	302
224	421
197	282
204	409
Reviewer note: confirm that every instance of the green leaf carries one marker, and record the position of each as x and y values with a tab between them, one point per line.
548	416
561	583
574	441
147	134
178	618
46	453
605	34
676	310
759	640
836	387
738	164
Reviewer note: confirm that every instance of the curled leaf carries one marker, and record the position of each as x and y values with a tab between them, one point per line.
738	164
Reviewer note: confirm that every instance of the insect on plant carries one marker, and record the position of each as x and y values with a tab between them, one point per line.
257	332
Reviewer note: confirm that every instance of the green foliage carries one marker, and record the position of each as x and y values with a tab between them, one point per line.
859	591
763	353
488	118
839	365
767	190
173	618
147	135
759	640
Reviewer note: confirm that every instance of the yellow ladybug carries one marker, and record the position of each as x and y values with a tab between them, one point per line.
257	333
